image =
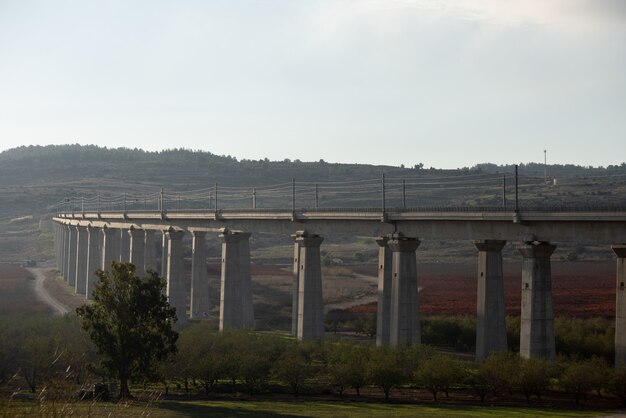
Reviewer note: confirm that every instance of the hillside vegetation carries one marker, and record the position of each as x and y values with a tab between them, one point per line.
35	179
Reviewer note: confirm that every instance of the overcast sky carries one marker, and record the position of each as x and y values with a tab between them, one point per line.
448	83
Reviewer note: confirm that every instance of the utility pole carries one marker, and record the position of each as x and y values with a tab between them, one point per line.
545	167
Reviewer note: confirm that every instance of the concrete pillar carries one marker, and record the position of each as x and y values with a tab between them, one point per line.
81	260
490	315
94	252
70	276
405	325
64	248
383	317
124	247
310	302
57	245
620	306
110	247
537	319
137	248
176	289
295	287
150	255
236	290
164	245
199	279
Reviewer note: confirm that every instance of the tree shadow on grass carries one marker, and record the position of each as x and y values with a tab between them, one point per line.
195	410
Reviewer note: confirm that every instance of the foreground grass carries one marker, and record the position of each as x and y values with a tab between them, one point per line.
266	409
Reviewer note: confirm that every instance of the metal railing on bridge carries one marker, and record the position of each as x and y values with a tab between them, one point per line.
482	192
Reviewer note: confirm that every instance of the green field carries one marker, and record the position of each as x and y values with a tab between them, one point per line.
264	409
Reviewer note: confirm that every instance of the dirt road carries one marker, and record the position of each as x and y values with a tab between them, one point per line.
40	291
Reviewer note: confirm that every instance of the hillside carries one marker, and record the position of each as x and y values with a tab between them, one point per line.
35	179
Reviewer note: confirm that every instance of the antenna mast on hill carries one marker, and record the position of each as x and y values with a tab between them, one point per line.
545	167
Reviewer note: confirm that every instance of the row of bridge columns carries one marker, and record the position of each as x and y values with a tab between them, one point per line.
80	250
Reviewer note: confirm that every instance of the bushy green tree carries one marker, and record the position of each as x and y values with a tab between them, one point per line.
347	366
384	369
294	366
501	370
577	378
130	322
617	383
438	373
534	377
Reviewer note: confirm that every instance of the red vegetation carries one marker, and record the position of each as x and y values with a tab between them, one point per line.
579	289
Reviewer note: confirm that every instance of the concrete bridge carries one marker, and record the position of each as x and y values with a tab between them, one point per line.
91	233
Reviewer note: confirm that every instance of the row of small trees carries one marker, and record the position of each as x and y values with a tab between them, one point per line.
36	351
263	361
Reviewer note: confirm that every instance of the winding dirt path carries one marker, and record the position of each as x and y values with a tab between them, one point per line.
42	294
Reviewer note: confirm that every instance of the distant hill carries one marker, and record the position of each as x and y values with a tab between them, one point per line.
34	179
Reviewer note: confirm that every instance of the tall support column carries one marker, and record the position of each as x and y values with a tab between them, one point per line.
124	238
295	287
199	280
137	248
57	245
63	250
310	303
490	315
70	276
164	245
81	260
93	259
150	255
620	306
537	319
110	247
236	290
383	317
176	290
405	325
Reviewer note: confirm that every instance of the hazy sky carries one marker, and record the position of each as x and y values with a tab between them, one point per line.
449	83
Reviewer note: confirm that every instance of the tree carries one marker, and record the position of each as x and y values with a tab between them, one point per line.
617	384
500	370
534	377
438	373
384	370
294	366
347	366
130	322
577	378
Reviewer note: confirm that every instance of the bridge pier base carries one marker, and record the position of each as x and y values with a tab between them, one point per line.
110	247
405	326
137	249
620	306
236	309
199	280
310	301
490	314
383	320
176	289
93	259
150	255
81	260
70	277
537	318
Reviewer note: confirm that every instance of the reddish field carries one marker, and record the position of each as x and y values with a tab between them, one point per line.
580	289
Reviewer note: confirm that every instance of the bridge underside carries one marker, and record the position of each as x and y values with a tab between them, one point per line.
124	235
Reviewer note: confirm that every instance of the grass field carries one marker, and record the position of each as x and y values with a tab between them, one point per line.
285	409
